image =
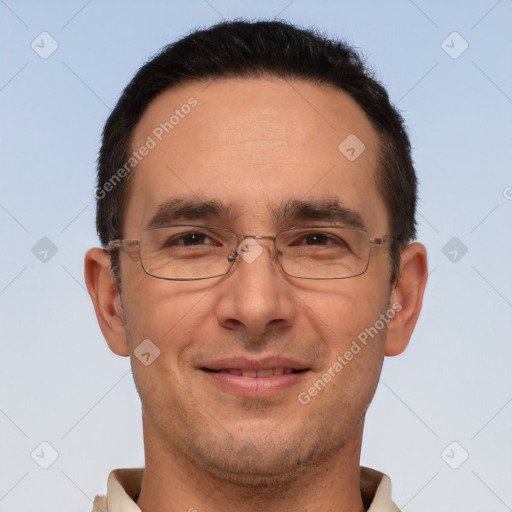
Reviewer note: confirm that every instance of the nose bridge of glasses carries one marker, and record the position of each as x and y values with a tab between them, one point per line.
257	238
250	247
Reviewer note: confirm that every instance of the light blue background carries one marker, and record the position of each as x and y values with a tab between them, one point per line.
59	382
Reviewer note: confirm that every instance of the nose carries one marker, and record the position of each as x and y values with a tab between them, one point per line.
255	296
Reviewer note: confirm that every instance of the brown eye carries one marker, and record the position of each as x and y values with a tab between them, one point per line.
318	239
189	239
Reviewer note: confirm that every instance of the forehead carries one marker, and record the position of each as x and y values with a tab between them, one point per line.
254	144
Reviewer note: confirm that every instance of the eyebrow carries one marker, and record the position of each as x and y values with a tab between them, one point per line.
182	209
328	210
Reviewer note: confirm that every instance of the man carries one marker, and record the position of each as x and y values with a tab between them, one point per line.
256	205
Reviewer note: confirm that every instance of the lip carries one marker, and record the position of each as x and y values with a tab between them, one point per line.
254	387
247	364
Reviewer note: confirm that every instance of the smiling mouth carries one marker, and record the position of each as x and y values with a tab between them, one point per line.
255	374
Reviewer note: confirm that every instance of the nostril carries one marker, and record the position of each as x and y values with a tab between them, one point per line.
233	323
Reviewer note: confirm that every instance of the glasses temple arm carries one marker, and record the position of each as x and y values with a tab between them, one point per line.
114	244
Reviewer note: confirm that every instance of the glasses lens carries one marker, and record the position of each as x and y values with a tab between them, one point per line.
323	252
186	251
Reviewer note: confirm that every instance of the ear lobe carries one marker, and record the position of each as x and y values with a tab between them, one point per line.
106	300
407	294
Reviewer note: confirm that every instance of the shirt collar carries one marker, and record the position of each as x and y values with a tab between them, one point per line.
124	486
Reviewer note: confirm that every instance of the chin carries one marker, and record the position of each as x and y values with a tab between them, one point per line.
262	464
261	473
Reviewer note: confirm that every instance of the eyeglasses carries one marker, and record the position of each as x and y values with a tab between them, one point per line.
186	252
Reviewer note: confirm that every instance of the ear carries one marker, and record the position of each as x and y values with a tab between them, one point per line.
407	298
105	297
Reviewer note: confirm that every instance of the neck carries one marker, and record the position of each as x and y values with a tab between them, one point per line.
173	482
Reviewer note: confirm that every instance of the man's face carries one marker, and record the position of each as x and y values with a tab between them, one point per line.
255	146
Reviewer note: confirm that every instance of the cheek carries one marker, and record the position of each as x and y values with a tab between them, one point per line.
341	309
346	318
355	340
170	314
163	320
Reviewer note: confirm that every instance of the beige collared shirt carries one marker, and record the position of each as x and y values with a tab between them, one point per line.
124	485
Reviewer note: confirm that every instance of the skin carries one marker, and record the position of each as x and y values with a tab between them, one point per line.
255	144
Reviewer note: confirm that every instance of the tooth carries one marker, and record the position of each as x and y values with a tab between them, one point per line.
265	373
288	370
249	373
234	371
278	371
